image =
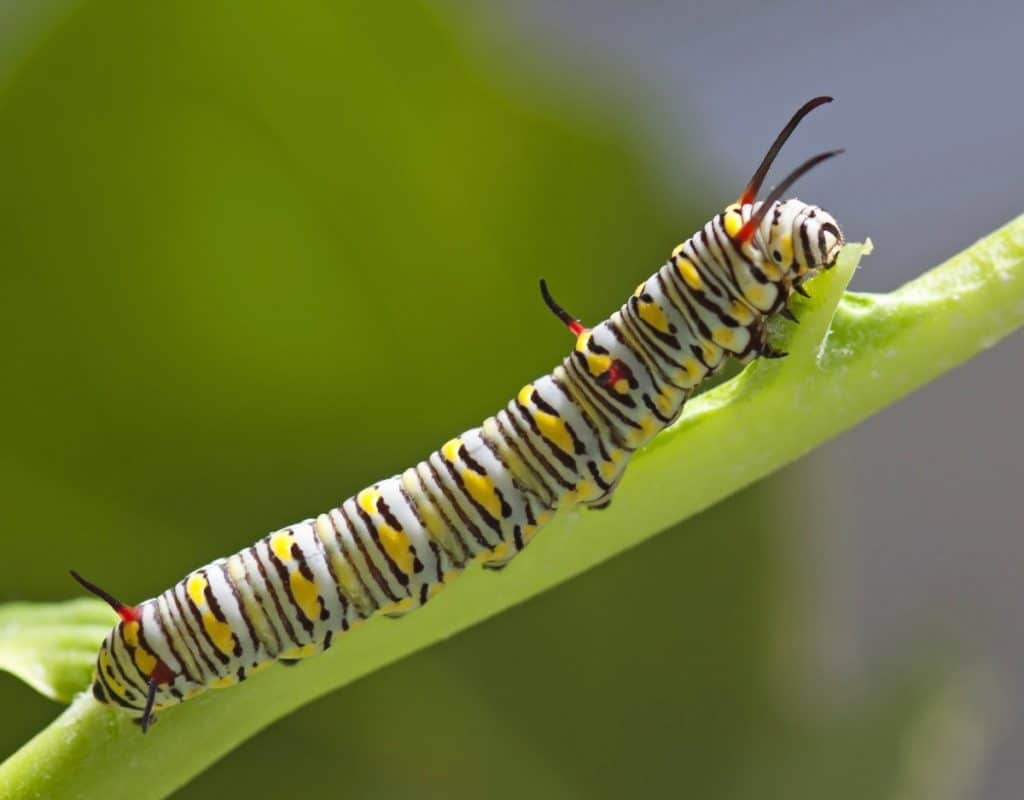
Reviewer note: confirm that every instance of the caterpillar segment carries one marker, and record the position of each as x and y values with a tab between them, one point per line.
563	441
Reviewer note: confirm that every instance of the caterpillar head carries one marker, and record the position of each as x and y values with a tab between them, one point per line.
799	239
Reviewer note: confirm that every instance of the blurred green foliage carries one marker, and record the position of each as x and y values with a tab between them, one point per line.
253	262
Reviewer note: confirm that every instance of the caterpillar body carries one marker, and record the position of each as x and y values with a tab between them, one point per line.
563	441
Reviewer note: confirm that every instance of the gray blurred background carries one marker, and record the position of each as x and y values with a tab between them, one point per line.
931	111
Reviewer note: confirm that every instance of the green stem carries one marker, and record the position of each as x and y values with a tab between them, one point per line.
879	348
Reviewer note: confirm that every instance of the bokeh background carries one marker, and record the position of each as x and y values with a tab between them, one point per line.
255	258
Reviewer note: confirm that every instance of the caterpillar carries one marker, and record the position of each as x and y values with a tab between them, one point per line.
563	441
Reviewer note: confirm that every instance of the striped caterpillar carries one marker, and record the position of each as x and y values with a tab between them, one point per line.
563	441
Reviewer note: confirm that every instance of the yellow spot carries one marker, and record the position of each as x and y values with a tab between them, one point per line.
640	289
586	489
663	403
688	272
652	314
644	432
115	684
581	344
223	683
525	395
786	248
759	294
131	633
621	385
281	544
543	518
733	222
481	489
608	471
429	513
726	337
306	595
300	651
367	500
712	355
450	449
396	545
196	588
219	632
555	429
500	552
144	661
733	207
741	313
597	364
772	270
677	251
349	580
399	608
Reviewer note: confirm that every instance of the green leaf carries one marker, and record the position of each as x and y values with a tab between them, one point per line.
52	646
878	349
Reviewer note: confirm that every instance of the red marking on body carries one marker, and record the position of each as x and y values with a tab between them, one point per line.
129	613
615	373
162	673
577	328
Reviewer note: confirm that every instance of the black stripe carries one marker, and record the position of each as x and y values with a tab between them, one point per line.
459	559
343	551
371	528
563	457
343	601
651	355
624	327
278	644
446	490
286	587
596	433
291	637
242	611
599	399
493	523
218	613
521	435
171	635
511	440
375	572
189	635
